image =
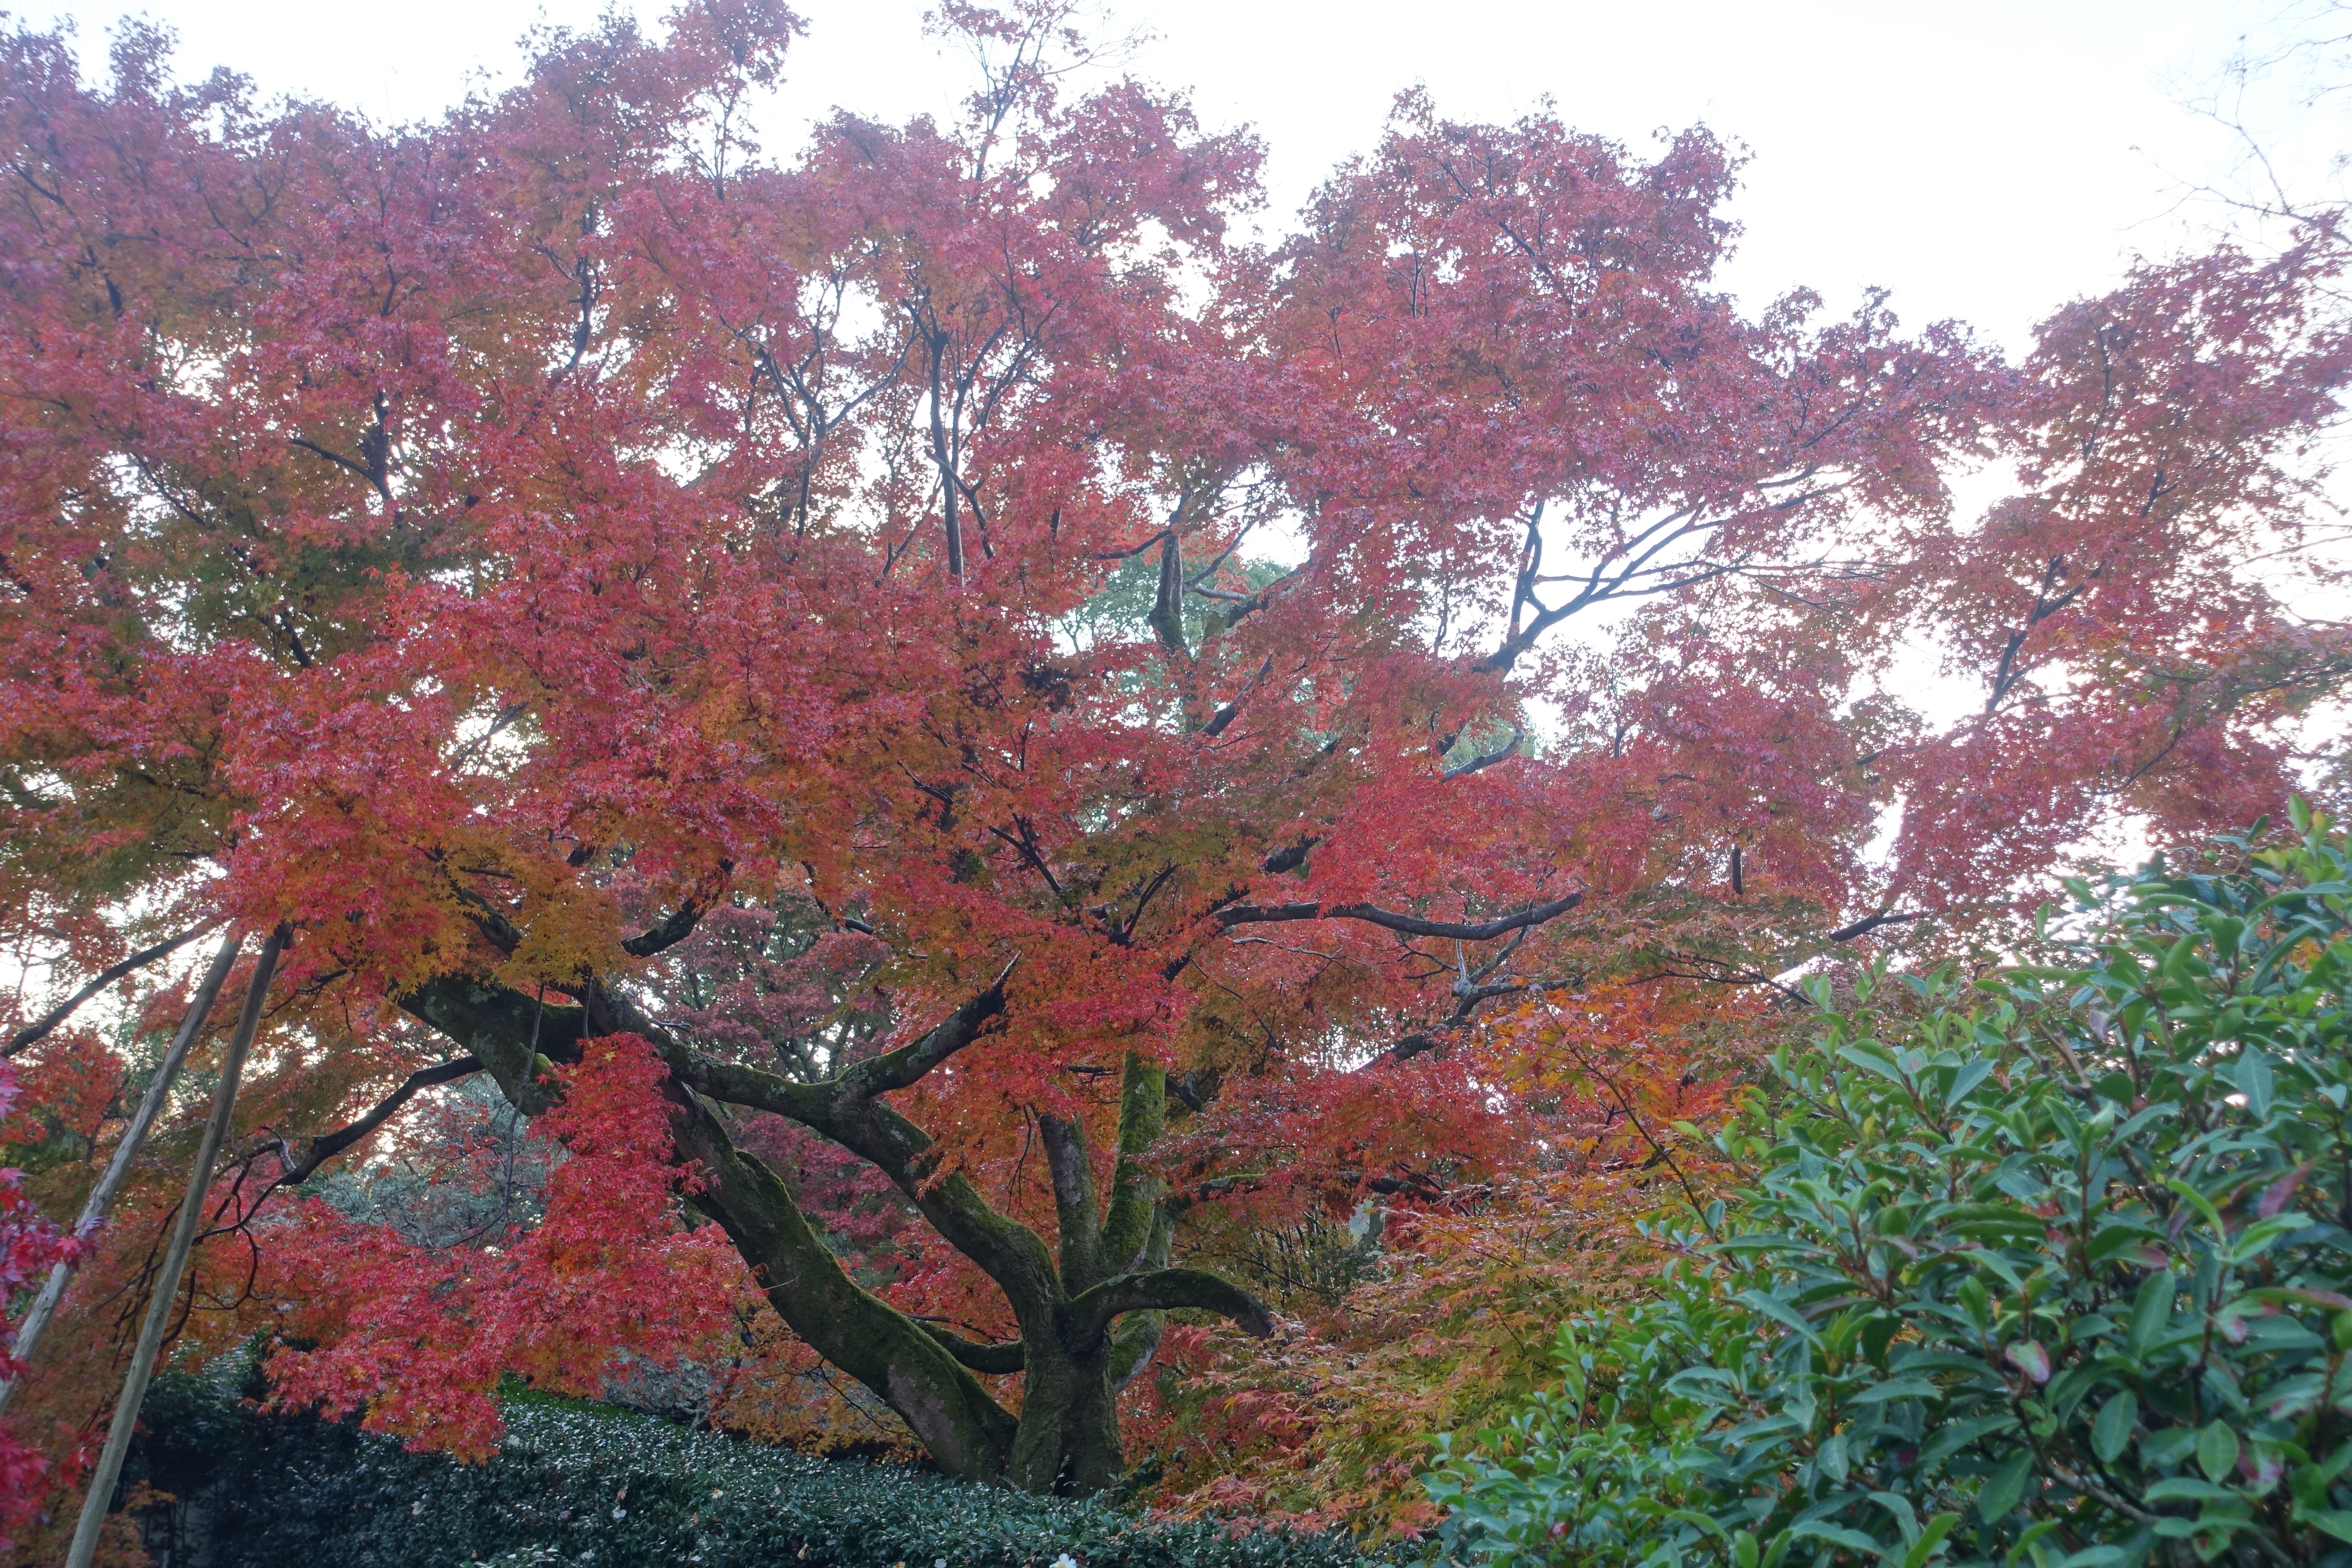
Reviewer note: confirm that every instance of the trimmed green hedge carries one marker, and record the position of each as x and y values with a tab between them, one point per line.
583	1485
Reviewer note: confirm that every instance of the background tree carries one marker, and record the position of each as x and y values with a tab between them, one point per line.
535	550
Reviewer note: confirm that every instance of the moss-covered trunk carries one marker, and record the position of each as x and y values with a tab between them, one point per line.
963	1429
1090	1317
1069	1435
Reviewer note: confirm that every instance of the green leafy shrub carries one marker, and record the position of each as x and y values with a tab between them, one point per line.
582	1485
2052	1268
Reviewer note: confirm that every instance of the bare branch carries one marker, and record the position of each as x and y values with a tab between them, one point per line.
1290	857
333	457
1503	753
1409	925
1869	923
1205	573
40	1028
1232	711
1163	1288
328	1145
1132	551
673	929
908	1063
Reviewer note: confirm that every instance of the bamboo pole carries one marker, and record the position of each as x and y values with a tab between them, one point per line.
109	1180
176	1260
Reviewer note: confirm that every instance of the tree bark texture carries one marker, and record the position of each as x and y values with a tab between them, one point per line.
1091	1310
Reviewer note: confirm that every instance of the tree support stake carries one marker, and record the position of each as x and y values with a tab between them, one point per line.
176	1260
102	1197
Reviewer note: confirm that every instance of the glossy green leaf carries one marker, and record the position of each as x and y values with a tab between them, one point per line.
2111	1434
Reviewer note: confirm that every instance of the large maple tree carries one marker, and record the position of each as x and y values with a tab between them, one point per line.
947	647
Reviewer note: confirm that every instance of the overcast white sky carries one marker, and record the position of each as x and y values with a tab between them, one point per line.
1983	160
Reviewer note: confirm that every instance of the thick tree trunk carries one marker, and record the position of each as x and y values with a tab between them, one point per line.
1069	1439
1090	1320
967	1432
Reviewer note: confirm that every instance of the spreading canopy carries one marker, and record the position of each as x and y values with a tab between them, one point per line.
1111	668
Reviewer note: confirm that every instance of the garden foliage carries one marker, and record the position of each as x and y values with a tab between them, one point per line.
586	1485
1435	1312
2050	1267
1053	704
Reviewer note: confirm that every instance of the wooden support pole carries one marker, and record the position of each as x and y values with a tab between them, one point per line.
110	1182
176	1260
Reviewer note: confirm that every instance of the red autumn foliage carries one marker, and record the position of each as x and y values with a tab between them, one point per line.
1432	1311
30	1245
935	703
417	1336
